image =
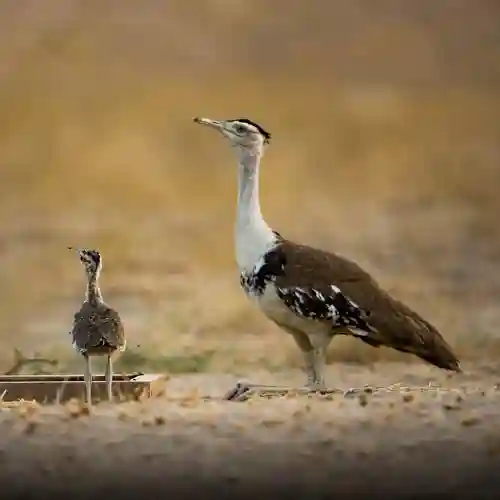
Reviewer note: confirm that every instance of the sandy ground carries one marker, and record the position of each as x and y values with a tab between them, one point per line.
433	434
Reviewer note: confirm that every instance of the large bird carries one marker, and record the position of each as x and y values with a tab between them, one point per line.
312	294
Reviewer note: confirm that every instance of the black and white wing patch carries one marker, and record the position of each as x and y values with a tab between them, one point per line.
268	268
329	304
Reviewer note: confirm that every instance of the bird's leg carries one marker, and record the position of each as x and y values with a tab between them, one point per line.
88	380
314	360
315	368
109	377
309	360
314	357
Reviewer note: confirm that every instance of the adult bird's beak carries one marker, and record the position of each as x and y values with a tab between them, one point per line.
217	124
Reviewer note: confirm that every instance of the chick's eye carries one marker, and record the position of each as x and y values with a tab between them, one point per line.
240	129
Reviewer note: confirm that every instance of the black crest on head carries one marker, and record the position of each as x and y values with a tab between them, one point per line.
265	133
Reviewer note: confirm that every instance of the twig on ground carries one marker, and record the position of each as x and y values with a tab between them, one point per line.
20	361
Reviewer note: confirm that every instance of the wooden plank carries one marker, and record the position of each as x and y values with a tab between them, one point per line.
53	388
73	377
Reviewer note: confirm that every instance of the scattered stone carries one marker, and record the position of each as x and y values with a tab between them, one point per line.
363	399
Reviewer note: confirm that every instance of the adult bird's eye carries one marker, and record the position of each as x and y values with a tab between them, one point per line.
239	129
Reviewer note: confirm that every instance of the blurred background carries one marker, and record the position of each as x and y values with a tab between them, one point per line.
386	124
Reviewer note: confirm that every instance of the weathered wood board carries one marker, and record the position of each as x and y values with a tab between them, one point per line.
62	387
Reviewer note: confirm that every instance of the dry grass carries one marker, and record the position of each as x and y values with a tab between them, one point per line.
97	149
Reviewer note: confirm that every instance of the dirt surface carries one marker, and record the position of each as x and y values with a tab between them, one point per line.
385	123
432	433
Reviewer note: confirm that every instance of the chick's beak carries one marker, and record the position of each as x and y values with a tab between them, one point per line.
77	250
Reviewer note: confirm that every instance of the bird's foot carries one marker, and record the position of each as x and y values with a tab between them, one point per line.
315	386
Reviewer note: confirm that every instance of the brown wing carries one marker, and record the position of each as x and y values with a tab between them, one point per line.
97	328
390	322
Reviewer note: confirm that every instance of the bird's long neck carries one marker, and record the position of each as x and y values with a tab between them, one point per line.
253	236
93	293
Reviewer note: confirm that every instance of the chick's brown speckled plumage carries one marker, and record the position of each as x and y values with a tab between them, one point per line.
97	329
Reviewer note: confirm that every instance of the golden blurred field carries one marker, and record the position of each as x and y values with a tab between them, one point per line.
386	126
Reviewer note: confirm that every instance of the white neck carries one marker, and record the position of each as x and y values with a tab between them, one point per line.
253	236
